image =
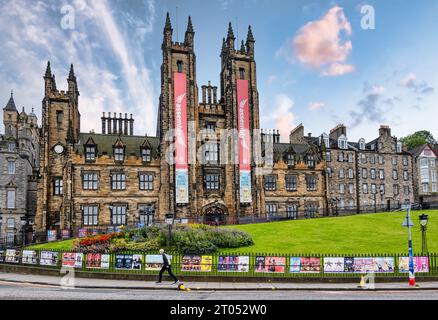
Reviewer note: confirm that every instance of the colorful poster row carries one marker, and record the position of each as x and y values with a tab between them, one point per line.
233	264
195	263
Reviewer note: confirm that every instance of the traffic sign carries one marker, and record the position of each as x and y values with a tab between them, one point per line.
408	222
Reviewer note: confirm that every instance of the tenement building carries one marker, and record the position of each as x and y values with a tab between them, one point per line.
209	162
425	174
18	170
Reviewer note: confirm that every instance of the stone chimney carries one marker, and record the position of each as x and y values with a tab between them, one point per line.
297	135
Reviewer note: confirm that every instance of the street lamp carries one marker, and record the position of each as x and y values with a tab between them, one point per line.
408	223
424	218
23	222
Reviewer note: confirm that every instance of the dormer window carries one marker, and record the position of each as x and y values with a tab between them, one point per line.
399	147
310	161
362	144
90	153
290	160
119	153
324	138
342	142
146	155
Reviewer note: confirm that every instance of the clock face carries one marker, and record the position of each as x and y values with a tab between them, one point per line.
59	149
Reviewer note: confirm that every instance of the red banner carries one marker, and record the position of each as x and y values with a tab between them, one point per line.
243	125
180	98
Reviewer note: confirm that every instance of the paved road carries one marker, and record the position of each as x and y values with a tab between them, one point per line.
19	291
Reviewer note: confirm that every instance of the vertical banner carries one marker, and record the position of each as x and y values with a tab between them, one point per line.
244	141
181	151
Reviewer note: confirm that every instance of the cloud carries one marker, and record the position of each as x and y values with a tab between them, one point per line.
316	106
106	47
320	45
410	82
283	116
370	106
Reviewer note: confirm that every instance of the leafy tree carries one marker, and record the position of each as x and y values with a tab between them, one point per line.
417	139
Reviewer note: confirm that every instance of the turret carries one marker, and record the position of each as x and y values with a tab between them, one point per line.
48	80
230	38
168	32
10	117
250	42
190	35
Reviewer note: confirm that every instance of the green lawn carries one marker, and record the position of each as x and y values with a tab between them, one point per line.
60	245
366	233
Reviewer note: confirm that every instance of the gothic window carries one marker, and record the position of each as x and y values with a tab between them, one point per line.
146	181
311	183
91	214
59	116
212	181
90	180
119	153
118	181
211	152
179	65
241	73
90	153
147	214
292	211
270	183
291	183
57	186
118	214
146	155
11	199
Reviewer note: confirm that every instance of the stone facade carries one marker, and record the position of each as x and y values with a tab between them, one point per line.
18	167
425	174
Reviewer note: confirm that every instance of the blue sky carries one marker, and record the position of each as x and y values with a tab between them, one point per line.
316	65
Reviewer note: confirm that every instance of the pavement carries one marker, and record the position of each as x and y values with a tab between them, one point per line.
68	281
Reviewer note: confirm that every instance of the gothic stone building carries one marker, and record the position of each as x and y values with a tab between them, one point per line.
115	177
19	147
425	174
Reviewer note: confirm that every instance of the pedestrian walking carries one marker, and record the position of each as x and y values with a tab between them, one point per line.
166	267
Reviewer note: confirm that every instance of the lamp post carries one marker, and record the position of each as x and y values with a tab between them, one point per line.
23	222
408	223
424	218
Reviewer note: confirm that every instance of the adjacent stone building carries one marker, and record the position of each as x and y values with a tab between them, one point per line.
425	175
19	147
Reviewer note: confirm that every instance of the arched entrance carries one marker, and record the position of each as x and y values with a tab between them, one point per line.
214	214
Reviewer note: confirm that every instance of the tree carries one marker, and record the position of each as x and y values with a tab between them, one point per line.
417	139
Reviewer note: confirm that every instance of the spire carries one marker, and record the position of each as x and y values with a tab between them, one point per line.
250	37
224	45
190	26
53	83
168	23
48	71
230	32
10	106
71	75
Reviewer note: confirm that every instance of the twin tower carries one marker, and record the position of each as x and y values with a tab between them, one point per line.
236	189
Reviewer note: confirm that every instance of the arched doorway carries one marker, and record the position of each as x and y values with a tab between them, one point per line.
214	214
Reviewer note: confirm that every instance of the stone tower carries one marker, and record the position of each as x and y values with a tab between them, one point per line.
59	132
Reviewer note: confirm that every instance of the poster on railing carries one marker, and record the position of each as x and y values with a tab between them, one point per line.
334	265
49	258
73	260
270	264
349	264
294	264
29	257
383	265
129	261
363	265
12	256
310	265
421	264
233	264
154	262
97	261
195	263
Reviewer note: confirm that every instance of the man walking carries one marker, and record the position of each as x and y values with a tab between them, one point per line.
166	266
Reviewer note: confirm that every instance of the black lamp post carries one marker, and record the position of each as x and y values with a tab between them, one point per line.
424	218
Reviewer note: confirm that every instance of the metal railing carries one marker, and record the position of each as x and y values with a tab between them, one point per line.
229	264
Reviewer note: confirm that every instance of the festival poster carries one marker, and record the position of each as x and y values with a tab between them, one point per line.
127	261
2	256
310	265
65	234
295	265
12	256
73	260
191	263
154	262
181	141
206	262
29	257
259	264
97	261
120	261
349	264
363	265
137	261
244	141
233	263
334	265
421	264
243	264
383	265
49	258
51	235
